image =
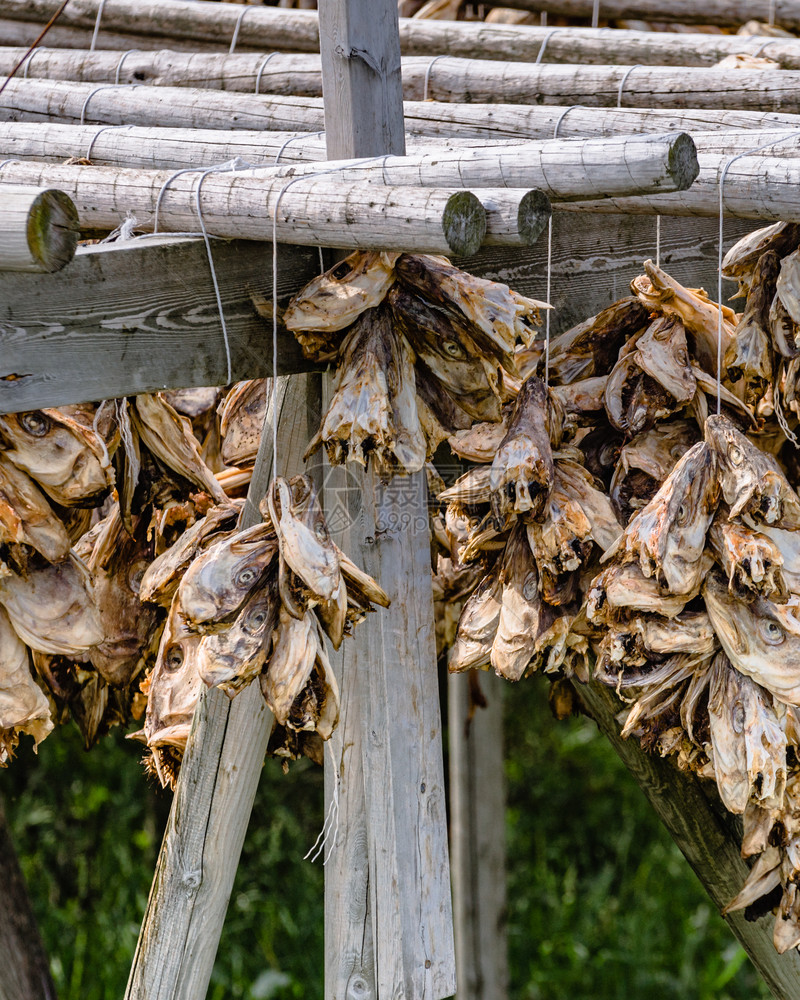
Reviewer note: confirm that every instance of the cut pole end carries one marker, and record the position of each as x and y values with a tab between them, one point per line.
464	223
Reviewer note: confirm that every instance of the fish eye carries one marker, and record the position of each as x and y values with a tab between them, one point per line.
135	576
737	718
174	659
683	515
735	455
35	423
530	587
321	531
255	620
454	349
771	631
245	577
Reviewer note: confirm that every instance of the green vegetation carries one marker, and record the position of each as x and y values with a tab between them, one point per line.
601	903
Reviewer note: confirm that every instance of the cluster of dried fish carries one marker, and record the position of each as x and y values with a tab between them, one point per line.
422	350
616	527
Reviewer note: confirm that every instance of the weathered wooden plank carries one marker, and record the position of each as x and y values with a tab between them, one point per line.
142	316
177	107
243	204
706	835
24	971
477	837
217	785
388	671
38	229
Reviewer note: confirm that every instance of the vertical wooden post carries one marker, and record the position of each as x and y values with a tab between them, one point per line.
388	914
477	837
218	780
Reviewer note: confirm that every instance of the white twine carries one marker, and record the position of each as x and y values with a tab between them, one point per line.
625	76
428	69
122	59
235	38
295	138
658	241
547	314
563	115
762	46
100	9
98	133
771	20
29	60
331	823
595	13
261	67
11	159
723	175
545	40
103	86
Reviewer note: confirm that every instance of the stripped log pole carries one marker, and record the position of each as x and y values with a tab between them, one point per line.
755	187
785	13
241	205
39	229
175	107
463	39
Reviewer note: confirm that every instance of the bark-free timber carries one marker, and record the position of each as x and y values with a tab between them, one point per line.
217	785
388	913
562	169
699	826
241	205
38	229
140	316
477	838
729	12
757	186
24	970
59	101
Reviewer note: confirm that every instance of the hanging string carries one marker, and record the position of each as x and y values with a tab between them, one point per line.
29	60
771	21
122	59
625	76
103	86
596	13
723	175
295	138
261	67
543	46
96	32
98	133
428	69
235	38
658	241
563	115
331	824
547	314
11	159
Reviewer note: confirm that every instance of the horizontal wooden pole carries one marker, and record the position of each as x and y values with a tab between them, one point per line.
241	204
756	187
562	168
38	229
140	316
727	12
176	107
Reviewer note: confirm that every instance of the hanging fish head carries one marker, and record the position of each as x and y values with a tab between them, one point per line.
175	686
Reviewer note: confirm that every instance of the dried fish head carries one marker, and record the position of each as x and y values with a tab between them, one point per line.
520	608
750	559
373	413
668	536
740	261
752	482
591	348
295	646
477	626
194	402
303	536
26	517
241	421
220	578
749	356
23	705
522	472
783	329
761	638
51	607
68	460
233	658
336	299
619	589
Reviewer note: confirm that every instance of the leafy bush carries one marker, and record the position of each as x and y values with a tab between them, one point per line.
601	903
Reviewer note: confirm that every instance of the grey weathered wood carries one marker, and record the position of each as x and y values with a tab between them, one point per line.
786	12
477	837
216	788
562	168
38	229
388	915
694	818
24	971
136	325
242	203
756	186
60	101
142	316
